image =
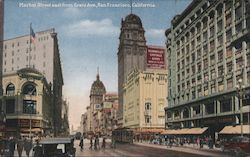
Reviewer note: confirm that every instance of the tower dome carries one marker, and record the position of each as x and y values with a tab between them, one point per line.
97	87
133	19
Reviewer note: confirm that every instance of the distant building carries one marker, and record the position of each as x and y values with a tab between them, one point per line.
109	119
96	97
27	103
208	47
43	55
131	52
65	119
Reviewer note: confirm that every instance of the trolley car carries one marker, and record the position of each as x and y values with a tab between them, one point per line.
123	135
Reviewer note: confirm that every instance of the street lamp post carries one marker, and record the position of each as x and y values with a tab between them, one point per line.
240	90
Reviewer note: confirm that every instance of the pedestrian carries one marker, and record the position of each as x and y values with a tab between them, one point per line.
20	147
12	145
38	151
81	143
91	142
198	141
201	143
104	142
27	146
97	142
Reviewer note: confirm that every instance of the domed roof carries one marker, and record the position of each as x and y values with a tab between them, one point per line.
97	87
132	18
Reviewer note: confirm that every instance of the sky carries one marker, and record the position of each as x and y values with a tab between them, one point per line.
88	37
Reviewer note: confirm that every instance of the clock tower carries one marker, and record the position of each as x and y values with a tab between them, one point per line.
131	52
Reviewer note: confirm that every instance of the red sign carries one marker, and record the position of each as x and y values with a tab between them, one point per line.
156	58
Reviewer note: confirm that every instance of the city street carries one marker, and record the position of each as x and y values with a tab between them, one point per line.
141	149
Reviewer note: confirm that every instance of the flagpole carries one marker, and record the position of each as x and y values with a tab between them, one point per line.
131	8
30	44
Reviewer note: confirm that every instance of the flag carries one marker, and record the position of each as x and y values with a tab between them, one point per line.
32	35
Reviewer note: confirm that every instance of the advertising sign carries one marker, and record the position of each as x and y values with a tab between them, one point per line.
156	58
107	105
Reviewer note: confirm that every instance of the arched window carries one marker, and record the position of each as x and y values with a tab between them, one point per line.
29	89
10	89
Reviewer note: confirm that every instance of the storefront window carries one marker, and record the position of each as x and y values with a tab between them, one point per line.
29	106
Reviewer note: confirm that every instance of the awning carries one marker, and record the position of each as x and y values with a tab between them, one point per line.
152	130
185	131
32	130
235	129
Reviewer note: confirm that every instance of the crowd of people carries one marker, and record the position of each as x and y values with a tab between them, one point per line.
94	143
19	144
177	141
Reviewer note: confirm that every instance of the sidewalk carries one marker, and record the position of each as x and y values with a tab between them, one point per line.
194	149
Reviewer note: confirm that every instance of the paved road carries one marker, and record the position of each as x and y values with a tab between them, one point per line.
139	150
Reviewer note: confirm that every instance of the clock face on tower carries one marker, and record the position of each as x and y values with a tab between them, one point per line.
29	89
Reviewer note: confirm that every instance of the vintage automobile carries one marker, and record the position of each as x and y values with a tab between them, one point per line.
57	147
240	145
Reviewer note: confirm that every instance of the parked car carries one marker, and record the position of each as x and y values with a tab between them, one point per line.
240	145
55	147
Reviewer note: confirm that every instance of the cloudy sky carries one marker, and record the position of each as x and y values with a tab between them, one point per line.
88	37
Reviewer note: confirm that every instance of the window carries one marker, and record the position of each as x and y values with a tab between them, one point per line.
193	69
29	106
205	36
10	106
220	56
147	106
205	63
220	71
29	89
212	59
219	26
209	108
205	49
212	32
212	45
239	63
228	20
229	83
238	28
238	13
220	40
196	110
212	87
213	74
229	52
193	57
185	113
229	67
229	35
10	90
199	67
225	105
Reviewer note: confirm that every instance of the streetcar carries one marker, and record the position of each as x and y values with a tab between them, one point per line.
123	135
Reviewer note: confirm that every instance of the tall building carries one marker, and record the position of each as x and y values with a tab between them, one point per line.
144	100
43	55
131	51
208	47
96	97
2	114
